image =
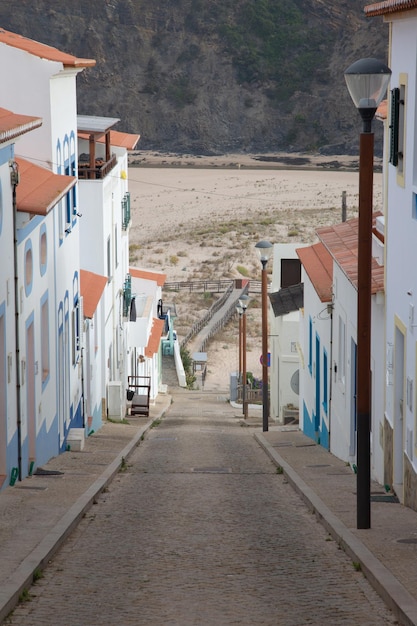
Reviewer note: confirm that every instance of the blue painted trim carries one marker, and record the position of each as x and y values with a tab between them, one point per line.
1	207
308	427
24	232
6	154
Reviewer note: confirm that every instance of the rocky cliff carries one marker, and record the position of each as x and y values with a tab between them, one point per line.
214	76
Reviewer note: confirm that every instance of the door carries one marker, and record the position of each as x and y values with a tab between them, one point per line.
353	386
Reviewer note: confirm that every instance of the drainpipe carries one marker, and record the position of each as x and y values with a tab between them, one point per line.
14	179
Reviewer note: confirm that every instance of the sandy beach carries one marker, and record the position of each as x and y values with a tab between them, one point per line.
196	218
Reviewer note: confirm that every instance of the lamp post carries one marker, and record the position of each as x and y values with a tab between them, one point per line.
243	302
367	81
239	311
264	249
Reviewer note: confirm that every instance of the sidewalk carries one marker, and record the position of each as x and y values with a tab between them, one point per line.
387	553
38	514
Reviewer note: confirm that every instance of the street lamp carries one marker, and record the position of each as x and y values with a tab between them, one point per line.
243	302
264	249
367	81
239	311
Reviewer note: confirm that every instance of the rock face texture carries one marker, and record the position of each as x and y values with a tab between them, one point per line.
214	76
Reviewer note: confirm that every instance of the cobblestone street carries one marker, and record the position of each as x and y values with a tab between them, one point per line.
200	529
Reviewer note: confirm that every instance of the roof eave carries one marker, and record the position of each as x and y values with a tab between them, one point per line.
389	6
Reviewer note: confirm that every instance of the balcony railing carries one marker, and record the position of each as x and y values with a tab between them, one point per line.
100	170
126	210
127	295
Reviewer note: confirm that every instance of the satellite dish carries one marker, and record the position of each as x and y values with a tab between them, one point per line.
295	382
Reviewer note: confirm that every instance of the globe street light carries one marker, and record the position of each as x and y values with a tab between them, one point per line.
244	302
367	82
264	249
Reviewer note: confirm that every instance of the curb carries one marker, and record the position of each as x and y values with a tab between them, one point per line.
397	598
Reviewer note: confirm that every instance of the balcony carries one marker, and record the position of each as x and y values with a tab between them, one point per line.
95	160
127	295
99	170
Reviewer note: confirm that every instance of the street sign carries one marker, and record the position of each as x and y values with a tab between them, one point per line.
268	360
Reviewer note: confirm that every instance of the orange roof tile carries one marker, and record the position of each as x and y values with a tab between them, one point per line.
382	110
148	275
12	125
155	337
91	288
389	6
39	189
43	51
117	138
341	241
318	263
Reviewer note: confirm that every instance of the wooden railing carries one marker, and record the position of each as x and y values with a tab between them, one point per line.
100	170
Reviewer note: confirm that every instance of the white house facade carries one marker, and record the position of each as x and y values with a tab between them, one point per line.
285	302
400	419
329	339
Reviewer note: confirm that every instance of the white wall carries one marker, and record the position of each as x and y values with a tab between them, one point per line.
401	235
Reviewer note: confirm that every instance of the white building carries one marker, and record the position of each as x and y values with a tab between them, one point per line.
286	299
400	417
47	254
329	339
12	427
148	325
104	210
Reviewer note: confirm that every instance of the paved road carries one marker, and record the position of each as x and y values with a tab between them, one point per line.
200	530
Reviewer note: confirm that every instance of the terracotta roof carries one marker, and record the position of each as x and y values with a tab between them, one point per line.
148	275
318	264
91	288
341	241
121	140
287	299
382	110
43	51
155	337
389	6
12	125
39	189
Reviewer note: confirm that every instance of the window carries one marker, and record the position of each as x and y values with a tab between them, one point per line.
290	272
45	339
43	250
310	345
28	267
